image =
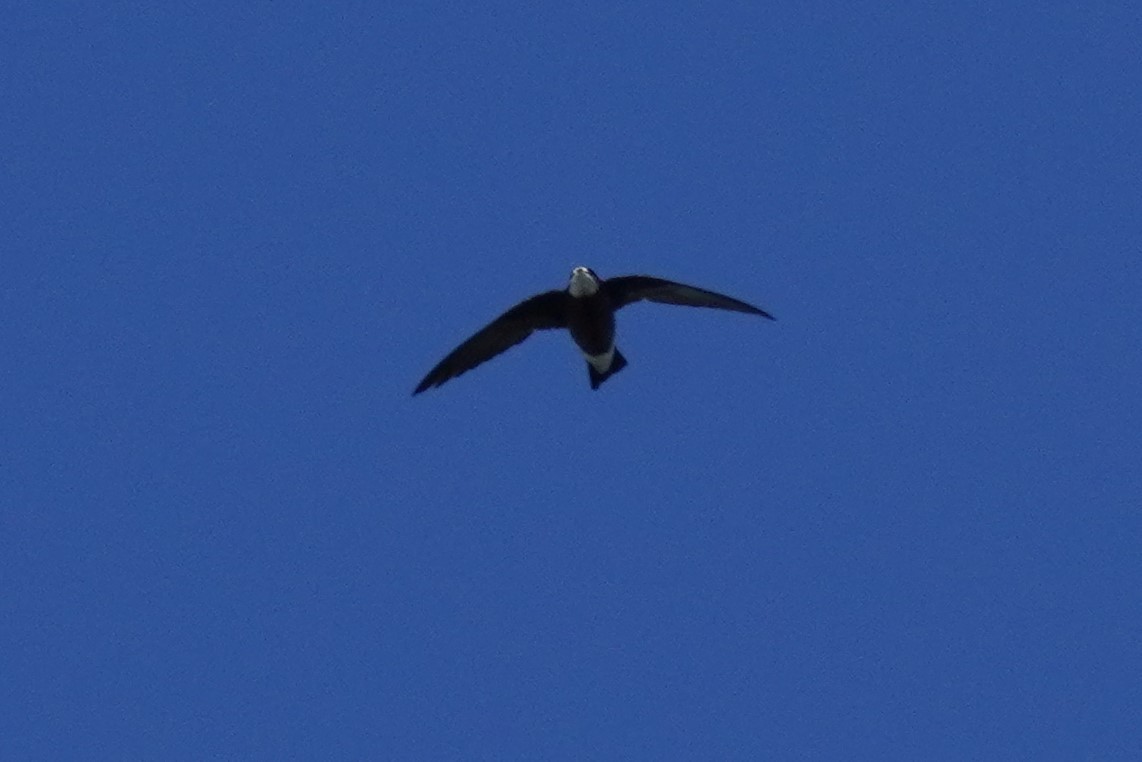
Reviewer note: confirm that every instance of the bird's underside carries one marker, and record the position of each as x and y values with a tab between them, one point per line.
586	308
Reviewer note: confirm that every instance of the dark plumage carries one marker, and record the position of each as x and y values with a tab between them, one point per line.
586	308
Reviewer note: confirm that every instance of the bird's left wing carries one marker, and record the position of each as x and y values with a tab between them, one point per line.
543	311
627	289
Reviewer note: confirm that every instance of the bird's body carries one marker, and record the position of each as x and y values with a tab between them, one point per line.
586	308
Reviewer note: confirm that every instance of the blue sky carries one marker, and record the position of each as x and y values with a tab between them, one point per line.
902	522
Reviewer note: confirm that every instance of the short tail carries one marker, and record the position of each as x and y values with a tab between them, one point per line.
618	362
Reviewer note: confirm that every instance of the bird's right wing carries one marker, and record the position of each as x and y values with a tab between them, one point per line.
540	312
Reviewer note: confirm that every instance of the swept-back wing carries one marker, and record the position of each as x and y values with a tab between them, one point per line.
627	289
537	313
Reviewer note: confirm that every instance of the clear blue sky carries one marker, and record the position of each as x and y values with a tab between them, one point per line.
902	522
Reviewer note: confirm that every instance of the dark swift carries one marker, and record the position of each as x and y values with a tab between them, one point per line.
586	308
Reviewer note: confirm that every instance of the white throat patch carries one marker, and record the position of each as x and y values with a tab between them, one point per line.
583	283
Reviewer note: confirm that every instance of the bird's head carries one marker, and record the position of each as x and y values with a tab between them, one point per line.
584	282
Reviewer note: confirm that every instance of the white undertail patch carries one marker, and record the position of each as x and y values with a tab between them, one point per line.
601	363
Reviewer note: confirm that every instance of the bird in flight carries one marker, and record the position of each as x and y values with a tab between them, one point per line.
587	309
